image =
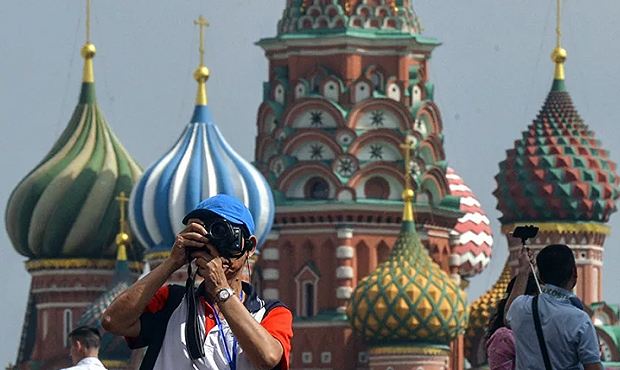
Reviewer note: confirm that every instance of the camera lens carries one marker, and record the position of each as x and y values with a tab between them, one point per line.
219	230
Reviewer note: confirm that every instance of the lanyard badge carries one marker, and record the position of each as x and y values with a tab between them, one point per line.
231	354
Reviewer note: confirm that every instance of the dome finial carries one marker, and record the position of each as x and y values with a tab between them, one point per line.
202	72
558	56
122	238
407	147
88	51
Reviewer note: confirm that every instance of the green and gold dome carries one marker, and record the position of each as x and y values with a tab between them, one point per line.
65	208
408	299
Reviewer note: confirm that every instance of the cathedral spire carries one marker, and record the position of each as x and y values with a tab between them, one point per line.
88	51
123	238
558	56
202	72
407	147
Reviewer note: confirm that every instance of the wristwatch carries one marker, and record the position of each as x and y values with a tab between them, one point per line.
223	294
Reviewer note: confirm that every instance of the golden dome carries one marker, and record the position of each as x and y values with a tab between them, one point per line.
408	298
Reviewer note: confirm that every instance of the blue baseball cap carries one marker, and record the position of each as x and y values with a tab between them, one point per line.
227	207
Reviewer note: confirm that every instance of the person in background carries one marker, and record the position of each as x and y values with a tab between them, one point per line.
567	332
85	343
500	341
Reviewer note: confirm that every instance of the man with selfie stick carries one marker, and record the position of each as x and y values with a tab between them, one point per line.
551	330
220	325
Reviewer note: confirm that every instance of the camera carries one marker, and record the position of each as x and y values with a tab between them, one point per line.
525	232
225	237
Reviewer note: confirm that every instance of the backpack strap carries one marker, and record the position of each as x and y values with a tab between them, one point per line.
175	295
539	334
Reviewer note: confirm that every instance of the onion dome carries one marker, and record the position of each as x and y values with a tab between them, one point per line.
361	16
471	249
557	171
199	165
408	299
480	312
65	207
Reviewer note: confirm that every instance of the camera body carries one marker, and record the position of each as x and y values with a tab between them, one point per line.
225	237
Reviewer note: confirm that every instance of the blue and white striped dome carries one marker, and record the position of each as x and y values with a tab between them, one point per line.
201	164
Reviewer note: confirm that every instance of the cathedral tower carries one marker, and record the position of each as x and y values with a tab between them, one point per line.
348	81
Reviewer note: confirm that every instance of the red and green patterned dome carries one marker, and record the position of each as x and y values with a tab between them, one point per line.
557	171
361	17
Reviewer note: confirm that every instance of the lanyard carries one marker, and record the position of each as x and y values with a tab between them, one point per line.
231	355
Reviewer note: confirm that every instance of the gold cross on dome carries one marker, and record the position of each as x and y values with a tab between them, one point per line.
407	147
202	23
122	200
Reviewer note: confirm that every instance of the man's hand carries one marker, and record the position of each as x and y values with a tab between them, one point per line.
211	268
525	258
193	236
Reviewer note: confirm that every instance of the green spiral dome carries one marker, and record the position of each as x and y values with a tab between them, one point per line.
66	206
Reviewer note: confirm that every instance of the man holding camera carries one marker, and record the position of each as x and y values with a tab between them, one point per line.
220	325
551	330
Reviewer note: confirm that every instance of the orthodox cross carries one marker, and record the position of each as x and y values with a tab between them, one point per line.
122	200
202	23
407	147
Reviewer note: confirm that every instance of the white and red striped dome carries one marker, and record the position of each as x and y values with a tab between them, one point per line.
472	236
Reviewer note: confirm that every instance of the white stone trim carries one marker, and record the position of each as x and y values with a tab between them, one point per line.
320	324
55	289
271	293
304	230
345	252
306	357
63	272
271	274
454	260
344	272
270	254
345	233
273	235
344	292
42	306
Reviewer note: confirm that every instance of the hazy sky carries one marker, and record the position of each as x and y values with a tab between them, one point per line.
491	74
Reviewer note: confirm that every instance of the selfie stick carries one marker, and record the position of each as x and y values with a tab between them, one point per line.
525	250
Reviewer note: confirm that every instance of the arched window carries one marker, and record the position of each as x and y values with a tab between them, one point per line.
45	324
317	188
67	326
331	90
393	91
300	90
377	80
416	94
308	299
362	91
383	252
306	282
279	94
377	188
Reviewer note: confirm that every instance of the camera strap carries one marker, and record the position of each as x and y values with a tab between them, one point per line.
194	343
